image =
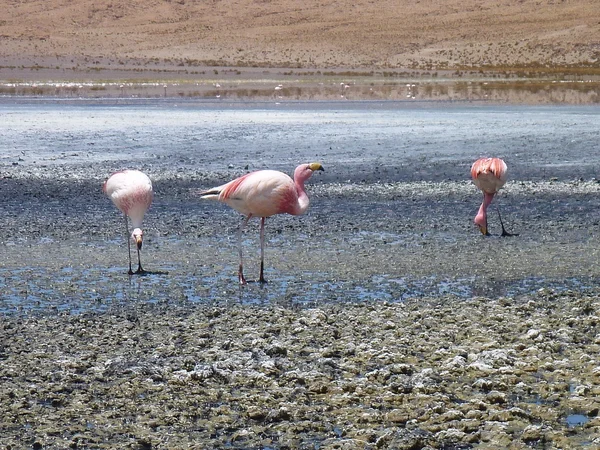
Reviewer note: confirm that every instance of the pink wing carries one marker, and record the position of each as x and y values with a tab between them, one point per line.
261	194
489	174
131	192
229	189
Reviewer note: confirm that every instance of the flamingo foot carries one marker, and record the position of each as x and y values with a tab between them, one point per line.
261	278
504	232
241	276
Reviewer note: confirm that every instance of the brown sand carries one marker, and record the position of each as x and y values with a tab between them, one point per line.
349	34
359	50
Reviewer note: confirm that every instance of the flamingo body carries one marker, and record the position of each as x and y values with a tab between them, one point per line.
489	175
264	193
131	192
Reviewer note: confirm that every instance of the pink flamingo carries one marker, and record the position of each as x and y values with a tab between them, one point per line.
131	192
489	175
264	193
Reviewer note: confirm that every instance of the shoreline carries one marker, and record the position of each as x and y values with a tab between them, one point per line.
568	86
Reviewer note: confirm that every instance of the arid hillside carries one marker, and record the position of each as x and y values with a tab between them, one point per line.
310	33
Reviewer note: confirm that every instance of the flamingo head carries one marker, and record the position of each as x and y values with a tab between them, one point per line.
304	171
315	166
481	222
138	237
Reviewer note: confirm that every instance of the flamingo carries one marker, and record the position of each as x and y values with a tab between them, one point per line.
263	194
489	175
131	192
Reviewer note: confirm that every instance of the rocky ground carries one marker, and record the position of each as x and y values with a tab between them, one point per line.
428	373
340	350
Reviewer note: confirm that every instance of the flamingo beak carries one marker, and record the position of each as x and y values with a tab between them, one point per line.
483	230
315	166
138	242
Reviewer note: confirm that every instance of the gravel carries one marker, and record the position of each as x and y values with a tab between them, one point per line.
425	373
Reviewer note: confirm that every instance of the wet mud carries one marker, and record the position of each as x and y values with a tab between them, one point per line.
386	316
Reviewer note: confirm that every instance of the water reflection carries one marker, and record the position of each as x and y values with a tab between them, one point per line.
576	420
583	90
30	290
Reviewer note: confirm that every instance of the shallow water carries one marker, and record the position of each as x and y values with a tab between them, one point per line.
368	137
577	420
390	217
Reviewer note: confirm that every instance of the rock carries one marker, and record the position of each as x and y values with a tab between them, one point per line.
496	397
532	433
397	416
451	435
257	413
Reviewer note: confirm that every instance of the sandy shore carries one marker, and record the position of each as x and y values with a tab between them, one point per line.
42	80
350	34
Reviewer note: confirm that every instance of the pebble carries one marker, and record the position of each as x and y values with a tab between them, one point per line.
244	387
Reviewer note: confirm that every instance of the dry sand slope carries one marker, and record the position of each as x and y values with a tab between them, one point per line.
358	33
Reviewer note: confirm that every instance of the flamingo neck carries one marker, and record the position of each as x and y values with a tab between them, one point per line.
481	217
487	199
137	217
303	200
300	176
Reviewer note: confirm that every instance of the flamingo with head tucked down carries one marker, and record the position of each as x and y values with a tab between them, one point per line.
263	194
489	175
131	192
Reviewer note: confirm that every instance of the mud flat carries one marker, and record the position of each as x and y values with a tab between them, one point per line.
388	322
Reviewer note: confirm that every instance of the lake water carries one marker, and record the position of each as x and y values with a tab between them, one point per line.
49	257
210	136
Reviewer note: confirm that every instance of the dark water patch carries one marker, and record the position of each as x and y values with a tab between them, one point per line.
576	420
406	288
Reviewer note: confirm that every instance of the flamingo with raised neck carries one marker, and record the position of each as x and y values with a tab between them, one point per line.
263	194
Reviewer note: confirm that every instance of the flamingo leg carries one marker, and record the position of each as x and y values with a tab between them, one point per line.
241	268
262	250
140	270
128	244
504	232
